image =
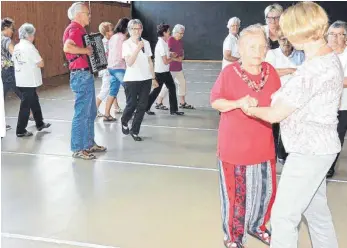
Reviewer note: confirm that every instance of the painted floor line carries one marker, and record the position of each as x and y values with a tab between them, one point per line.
54	241
114	161
117	123
142	163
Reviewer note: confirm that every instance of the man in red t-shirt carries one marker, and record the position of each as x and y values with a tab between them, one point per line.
245	145
81	83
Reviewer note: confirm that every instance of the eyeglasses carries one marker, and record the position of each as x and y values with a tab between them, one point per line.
88	14
336	35
272	18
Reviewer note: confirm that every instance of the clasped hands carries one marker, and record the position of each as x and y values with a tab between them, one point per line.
247	102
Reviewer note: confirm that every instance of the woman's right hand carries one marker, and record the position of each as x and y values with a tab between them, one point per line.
140	45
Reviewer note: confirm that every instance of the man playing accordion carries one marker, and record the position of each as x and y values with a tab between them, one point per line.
82	84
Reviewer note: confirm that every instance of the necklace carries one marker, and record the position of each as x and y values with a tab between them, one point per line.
256	86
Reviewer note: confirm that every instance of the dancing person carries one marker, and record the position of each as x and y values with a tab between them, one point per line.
106	29
337	40
175	44
138	79
82	84
230	50
162	71
246	154
7	68
28	77
116	66
306	107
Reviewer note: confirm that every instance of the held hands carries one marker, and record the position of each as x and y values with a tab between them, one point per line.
247	102
155	83
173	55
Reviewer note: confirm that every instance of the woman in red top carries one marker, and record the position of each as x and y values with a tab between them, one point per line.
246	150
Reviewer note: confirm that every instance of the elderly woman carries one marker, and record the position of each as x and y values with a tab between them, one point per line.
306	107
138	79
272	16
337	38
116	66
106	29
230	50
285	59
7	68
176	48
246	151
162	72
28	64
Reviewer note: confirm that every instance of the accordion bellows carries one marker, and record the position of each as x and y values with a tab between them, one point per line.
98	60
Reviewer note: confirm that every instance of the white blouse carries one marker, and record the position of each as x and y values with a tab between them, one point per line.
315	91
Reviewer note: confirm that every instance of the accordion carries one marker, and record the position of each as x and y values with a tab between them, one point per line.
98	60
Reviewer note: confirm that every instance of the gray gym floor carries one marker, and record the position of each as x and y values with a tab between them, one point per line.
162	192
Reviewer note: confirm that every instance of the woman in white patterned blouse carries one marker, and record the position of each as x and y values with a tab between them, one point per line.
306	107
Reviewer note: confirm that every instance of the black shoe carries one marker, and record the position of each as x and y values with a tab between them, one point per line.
330	173
135	137
177	113
125	129
150	112
45	125
26	134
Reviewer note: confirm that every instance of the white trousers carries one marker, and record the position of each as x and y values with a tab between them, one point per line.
180	80
105	86
302	191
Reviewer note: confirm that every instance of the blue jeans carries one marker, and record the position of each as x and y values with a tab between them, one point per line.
116	79
82	133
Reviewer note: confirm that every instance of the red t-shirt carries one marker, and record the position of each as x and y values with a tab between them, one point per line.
243	140
74	32
177	47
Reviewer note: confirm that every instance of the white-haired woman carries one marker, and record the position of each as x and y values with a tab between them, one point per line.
306	107
230	50
28	64
176	48
337	38
138	79
246	151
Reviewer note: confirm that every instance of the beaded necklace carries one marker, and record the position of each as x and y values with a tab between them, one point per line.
256	86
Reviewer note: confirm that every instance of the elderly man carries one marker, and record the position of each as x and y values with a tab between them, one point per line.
337	39
285	60
82	84
230	50
246	151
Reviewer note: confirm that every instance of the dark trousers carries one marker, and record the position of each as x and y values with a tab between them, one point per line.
136	93
279	148
341	129
9	81
29	100
164	78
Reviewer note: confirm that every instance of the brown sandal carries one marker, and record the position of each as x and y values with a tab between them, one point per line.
109	118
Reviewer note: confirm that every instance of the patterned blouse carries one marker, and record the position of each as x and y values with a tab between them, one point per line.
315	90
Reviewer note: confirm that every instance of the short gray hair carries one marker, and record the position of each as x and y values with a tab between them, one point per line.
74	9
177	28
252	30
26	30
273	7
339	24
233	20
132	23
